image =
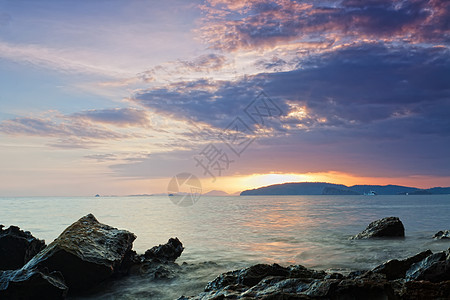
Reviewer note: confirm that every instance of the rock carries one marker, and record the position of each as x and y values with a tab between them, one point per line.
32	284
395	269
364	288
427	277
167	252
86	253
433	268
247	277
425	290
440	235
386	227
159	261
17	247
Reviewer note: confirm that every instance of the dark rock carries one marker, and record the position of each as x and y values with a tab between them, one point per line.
167	252
357	273
86	253
440	235
367	288
427	274
386	227
276	287
334	276
247	277
32	284
159	261
299	271
434	268
17	247
425	290
395	269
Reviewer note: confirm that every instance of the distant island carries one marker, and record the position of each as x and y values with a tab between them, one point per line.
324	188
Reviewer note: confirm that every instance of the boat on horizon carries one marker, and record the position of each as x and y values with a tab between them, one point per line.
370	193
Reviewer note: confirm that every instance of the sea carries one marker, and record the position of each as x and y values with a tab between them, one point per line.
226	233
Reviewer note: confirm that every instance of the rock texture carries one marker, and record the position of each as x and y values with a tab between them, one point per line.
423	276
395	269
166	252
86	253
17	247
433	268
32	284
386	227
440	235
159	261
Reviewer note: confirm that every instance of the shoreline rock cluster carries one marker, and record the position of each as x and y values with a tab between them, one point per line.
84	255
88	254
423	276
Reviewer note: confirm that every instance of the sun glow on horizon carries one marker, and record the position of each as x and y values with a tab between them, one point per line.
236	184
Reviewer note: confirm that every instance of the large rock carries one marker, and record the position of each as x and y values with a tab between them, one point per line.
32	284
386	227
433	268
441	235
17	247
86	253
395	269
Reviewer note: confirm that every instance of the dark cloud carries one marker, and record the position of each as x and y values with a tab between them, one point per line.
350	87
212	102
122	117
341	111
267	23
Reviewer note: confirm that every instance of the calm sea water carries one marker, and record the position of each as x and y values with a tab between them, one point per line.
225	233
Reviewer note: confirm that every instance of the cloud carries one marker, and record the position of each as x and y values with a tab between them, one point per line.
347	88
49	128
229	26
121	117
206	62
212	102
84	130
63	60
275	63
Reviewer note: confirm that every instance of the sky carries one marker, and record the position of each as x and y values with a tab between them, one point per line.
118	97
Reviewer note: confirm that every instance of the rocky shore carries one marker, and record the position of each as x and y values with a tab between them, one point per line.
89	254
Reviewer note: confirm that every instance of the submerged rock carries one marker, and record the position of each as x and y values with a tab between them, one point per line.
32	284
17	247
386	227
440	235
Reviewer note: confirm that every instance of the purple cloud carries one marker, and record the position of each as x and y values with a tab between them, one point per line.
268	23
